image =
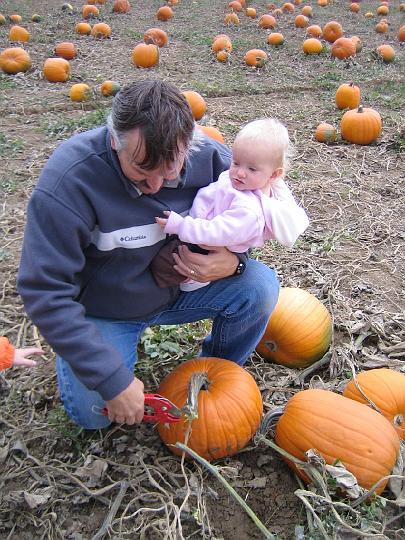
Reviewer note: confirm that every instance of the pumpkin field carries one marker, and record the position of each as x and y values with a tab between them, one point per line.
58	481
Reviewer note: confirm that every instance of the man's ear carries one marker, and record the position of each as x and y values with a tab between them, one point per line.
113	143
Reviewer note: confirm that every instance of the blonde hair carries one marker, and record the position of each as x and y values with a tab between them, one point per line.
273	133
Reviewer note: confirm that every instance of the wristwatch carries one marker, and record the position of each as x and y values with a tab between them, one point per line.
240	268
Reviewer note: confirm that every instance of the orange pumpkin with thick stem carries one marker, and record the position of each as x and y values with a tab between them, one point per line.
226	421
332	31
197	103
121	6
386	389
341	429
256	58
56	70
83	28
299	330
18	33
343	48
325	133
145	56
66	50
164	13
101	30
14	60
80	92
360	126
347	96
156	36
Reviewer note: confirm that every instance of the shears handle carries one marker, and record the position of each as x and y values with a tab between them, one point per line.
163	410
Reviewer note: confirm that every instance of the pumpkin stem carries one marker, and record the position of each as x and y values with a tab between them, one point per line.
198	381
360	109
398	420
271	345
268	418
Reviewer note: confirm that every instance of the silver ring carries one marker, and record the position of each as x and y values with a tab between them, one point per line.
192	272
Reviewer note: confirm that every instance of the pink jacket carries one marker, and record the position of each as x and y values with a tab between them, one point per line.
239	220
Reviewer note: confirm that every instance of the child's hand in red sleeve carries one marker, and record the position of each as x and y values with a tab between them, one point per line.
20	356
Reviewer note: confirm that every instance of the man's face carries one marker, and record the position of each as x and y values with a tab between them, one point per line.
147	181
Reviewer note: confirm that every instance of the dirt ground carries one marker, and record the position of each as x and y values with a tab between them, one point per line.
58	482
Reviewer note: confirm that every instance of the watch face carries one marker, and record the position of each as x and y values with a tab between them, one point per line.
240	268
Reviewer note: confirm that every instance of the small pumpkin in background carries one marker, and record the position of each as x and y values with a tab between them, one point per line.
156	36
343	48
223	56
276	39
325	133
56	69
14	60
299	330
18	33
354	7
386	389
361	125
145	55
221	43
109	88
383	10
301	21
307	11
256	58
225	422
347	96
314	31
401	34
386	53
288	7
3	20
212	132
357	43
66	50
235	5
90	11
341	429
36	18
15	18
251	12
164	13
369	15
101	30
121	6
381	27
197	103
312	46
332	31
83	28
80	92
231	19
68	8
267	22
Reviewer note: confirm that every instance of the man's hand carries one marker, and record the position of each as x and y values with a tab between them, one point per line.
218	264
162	221
129	406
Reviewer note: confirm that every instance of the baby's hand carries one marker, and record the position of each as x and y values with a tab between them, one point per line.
20	356
162	221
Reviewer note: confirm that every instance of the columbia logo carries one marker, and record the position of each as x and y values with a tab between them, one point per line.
132	238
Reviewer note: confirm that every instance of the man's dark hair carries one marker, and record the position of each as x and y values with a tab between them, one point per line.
162	114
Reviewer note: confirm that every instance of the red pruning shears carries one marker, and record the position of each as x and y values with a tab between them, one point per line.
163	410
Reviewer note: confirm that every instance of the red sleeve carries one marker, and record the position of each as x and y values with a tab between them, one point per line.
6	353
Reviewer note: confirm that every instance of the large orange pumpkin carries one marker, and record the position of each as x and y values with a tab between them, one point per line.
386	389
312	46
14	60
267	21
314	31
299	330
101	30
386	53
229	407
361	125
83	28
56	69
347	96
339	429
80	92
343	48
145	55
197	103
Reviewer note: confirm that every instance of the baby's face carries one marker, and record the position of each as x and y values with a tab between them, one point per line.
254	165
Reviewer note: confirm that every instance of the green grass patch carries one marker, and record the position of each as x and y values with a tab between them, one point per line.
10	147
64	127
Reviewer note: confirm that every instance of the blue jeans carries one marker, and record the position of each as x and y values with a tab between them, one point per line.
239	308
